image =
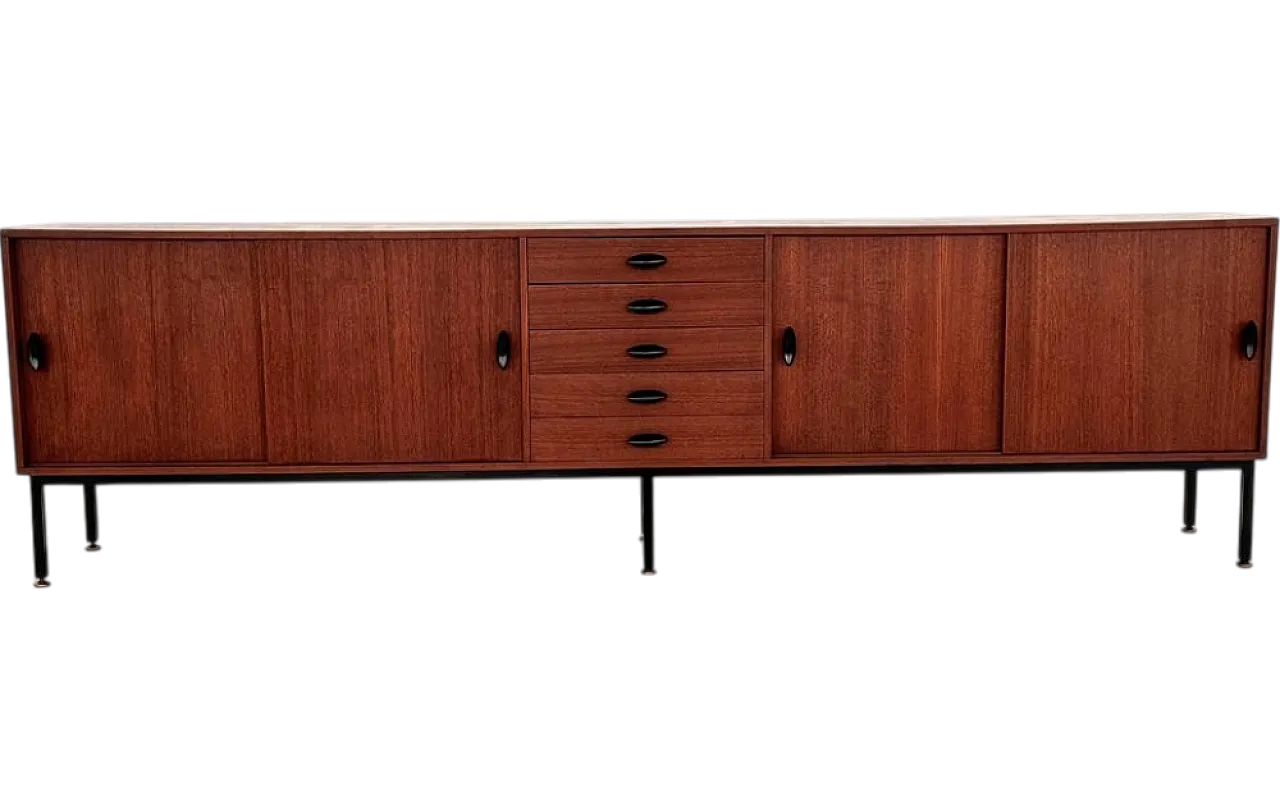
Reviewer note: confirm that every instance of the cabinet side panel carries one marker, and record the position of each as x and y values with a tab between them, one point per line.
15	349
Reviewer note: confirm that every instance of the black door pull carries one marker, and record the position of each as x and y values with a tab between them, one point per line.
647	396
789	346
35	352
647	440
646	351
1249	340
647	306
646	261
504	349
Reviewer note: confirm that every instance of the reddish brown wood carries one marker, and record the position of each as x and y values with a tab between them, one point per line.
1273	233
842	460
154	351
1129	341
604	260
605	351
691	439
766	334
899	344
384	351
605	305
523	341
583	395
15	352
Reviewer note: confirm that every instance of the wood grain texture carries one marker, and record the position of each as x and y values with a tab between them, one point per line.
605	305
604	260
154	351
7	247
688	394
605	439
900	344
605	351
384	351
1130	341
1268	337
783	464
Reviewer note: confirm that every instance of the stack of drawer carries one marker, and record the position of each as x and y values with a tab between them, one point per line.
646	349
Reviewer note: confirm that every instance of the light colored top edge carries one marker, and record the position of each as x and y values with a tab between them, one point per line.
674	225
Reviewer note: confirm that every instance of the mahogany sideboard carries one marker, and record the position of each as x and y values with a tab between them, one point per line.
152	353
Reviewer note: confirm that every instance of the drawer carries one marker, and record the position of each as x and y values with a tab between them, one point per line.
621	350
608	439
645	305
655	395
589	260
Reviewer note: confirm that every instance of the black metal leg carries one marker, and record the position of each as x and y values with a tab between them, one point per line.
37	533
1246	516
646	522
91	516
1189	503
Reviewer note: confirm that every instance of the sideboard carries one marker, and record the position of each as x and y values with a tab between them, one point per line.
155	353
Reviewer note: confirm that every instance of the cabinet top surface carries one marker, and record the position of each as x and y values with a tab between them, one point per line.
322	230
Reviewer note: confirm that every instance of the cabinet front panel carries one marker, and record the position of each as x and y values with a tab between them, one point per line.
898	344
647	394
153	351
1131	341
621	350
609	440
642	259
385	351
645	305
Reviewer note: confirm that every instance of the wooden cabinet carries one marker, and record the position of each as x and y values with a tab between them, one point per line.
241	349
898	344
151	352
1132	341
386	350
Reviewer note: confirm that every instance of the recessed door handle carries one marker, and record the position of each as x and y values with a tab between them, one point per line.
1249	340
789	346
647	396
646	351
36	352
504	349
647	306
647	440
646	261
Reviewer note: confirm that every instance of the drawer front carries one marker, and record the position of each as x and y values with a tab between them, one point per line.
609	439
647	395
645	305
645	259
621	350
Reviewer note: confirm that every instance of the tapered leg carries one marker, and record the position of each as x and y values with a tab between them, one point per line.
91	516
37	533
1189	503
1246	516
646	522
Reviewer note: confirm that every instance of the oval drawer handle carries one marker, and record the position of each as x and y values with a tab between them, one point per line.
647	396
647	306
1249	340
646	351
35	352
646	261
647	440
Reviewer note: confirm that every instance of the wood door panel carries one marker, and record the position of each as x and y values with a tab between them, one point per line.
899	344
154	352
1129	341
384	351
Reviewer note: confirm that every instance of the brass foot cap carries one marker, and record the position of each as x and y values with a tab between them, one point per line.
648	572
42	583
1188	529
1245	565
93	546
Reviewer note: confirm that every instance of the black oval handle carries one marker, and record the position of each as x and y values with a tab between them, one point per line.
646	261
647	306
647	396
1249	340
789	346
647	440
36	352
504	349
646	351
